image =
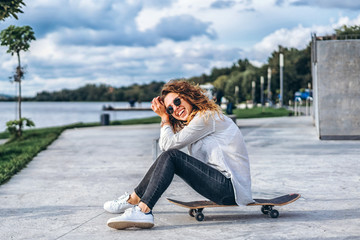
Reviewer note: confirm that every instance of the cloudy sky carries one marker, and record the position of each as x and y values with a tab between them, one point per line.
120	42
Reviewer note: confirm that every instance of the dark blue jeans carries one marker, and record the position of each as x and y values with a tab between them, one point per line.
207	181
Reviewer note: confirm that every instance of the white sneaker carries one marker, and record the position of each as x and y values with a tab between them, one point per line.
133	217
119	205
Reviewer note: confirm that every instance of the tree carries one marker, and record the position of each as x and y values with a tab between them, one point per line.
297	71
345	30
10	8
233	80
243	64
17	39
220	84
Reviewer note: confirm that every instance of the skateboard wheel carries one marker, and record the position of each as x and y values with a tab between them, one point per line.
191	212
266	209
274	213
199	216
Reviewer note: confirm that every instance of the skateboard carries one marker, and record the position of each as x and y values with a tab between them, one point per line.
196	207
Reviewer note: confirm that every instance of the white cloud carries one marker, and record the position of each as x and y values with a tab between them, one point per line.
346	4
123	42
298	37
346	21
148	18
55	66
220	4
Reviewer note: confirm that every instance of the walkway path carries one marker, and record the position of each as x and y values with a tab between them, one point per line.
60	193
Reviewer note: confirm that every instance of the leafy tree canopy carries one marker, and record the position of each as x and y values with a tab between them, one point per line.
102	92
10	8
348	30
17	38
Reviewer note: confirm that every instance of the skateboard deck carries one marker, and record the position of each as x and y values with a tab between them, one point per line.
197	207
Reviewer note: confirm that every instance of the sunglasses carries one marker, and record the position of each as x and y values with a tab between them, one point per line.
170	109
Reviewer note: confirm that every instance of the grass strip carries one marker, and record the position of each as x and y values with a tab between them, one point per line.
260	112
17	153
4	135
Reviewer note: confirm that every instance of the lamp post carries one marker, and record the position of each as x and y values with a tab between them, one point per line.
281	63
262	93
236	95
262	90
269	85
253	84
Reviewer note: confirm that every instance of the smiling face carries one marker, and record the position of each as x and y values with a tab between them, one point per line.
182	111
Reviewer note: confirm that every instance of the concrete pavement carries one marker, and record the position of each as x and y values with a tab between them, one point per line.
59	195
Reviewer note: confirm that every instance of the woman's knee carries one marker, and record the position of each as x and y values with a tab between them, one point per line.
169	154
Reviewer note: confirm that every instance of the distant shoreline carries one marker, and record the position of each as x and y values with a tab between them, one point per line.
59	113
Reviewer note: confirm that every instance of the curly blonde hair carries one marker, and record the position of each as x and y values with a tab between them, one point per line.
194	95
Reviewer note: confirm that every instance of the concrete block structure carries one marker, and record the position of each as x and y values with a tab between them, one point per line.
336	88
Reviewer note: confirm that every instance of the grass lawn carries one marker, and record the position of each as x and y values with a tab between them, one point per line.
16	153
4	135
259	112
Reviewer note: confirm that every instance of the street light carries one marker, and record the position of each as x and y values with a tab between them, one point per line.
236	94
281	63
269	85
253	84
262	90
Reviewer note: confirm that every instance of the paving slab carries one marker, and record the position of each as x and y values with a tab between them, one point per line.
60	194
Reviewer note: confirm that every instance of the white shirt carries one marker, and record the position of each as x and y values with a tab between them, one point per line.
219	143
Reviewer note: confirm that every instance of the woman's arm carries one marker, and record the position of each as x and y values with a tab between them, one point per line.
159	108
198	128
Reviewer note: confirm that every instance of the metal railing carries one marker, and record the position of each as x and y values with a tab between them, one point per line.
155	149
297	105
309	106
338	37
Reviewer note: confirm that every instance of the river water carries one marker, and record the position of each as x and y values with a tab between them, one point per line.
49	114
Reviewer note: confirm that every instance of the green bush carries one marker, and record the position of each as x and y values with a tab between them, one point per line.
15	127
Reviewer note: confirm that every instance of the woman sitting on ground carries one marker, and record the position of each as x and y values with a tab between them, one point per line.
217	167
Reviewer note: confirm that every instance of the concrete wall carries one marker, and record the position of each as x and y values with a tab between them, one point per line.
336	85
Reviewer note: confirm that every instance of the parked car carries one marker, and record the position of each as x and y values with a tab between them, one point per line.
303	94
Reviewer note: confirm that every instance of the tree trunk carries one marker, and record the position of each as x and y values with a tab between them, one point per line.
19	76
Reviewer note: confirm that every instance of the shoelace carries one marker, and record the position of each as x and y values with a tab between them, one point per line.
121	200
129	211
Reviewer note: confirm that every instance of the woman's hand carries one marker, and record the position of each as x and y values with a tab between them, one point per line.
159	108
